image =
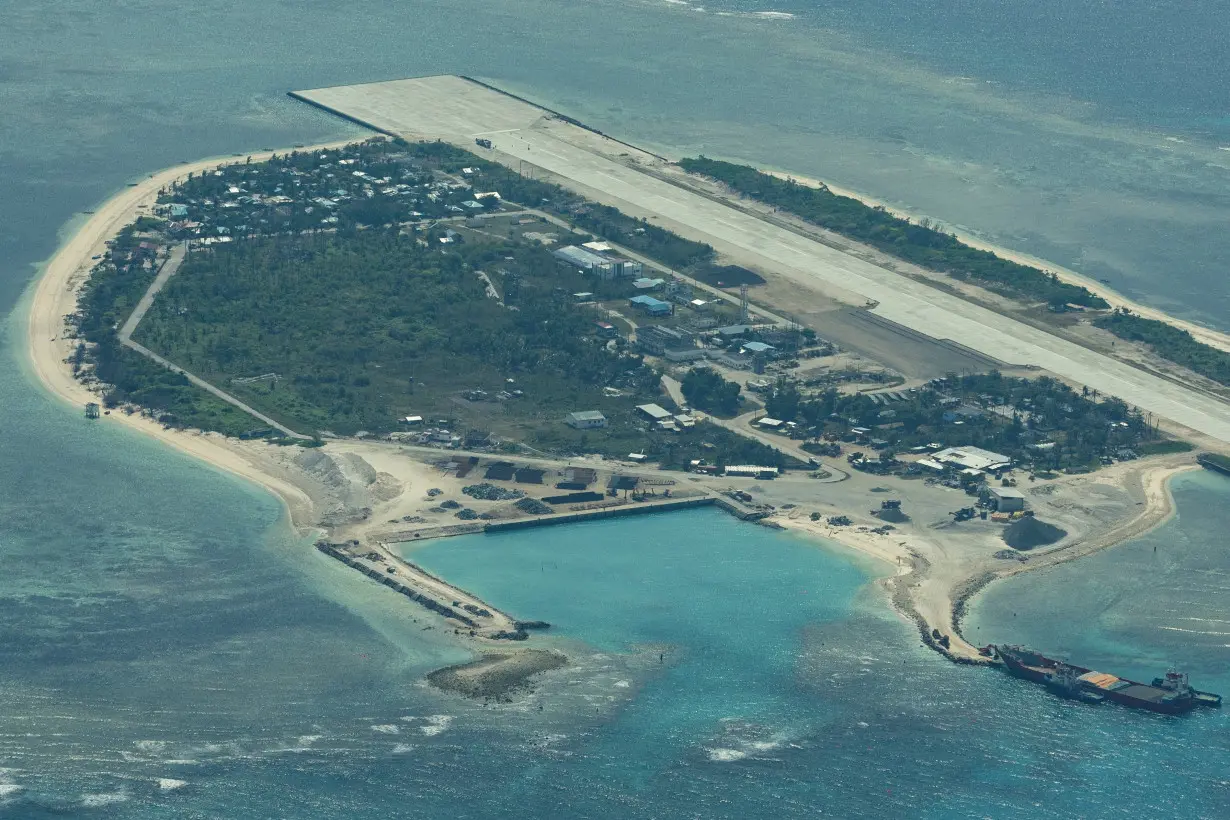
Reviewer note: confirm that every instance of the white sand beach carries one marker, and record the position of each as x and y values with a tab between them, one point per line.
55	296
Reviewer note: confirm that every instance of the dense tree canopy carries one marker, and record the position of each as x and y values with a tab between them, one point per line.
1169	342
704	388
918	243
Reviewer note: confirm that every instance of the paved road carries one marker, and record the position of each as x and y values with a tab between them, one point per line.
168	270
452	109
742	426
900	299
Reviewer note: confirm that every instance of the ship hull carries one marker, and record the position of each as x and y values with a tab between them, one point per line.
1037	668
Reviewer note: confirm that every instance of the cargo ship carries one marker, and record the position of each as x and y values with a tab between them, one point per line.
1169	695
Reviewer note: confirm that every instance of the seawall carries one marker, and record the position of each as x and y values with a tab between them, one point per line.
333	551
607	512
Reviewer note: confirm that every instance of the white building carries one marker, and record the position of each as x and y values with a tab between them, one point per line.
1007	499
972	458
586	420
655	411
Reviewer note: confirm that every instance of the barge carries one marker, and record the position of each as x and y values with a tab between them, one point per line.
1168	695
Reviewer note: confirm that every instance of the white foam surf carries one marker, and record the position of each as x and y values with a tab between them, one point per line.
94	801
436	724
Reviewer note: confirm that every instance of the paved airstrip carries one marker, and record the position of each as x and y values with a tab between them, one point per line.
458	110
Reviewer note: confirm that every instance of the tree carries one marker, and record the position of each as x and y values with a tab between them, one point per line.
703	387
783	402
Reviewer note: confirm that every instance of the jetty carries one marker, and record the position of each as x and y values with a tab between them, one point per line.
465	611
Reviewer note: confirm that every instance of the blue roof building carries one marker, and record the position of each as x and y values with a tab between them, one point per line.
652	306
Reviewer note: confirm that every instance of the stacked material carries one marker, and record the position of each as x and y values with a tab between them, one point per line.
1028	532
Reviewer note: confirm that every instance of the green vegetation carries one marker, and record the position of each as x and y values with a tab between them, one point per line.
1037	422
344	290
1165	448
668	248
1169	342
107	298
921	244
706	390
361	330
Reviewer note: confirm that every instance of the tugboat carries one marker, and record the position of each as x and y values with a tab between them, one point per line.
1171	695
1176	681
1065	681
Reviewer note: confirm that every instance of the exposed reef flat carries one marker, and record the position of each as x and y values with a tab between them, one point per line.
496	676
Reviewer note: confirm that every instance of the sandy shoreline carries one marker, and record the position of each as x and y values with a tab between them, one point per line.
930	586
933	586
54	296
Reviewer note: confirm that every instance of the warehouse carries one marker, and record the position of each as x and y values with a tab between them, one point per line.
1007	499
972	458
655	411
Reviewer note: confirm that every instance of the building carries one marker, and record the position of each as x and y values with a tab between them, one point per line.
596	258
1007	499
733	331
586	261
751	471
606	330
759	348
769	423
645	283
655	411
652	306
586	420
657	340
973	458
626	267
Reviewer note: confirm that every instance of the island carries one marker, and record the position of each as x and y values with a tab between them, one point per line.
420	335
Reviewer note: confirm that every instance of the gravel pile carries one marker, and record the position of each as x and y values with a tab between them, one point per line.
1028	532
533	506
490	492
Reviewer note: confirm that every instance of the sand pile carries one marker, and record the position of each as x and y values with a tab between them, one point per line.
892	515
1028	532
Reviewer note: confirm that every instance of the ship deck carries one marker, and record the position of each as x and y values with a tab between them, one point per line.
1140	691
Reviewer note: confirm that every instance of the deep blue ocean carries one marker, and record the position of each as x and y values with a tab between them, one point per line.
167	650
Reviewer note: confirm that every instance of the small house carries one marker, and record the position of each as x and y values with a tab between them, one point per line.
1007	499
586	420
